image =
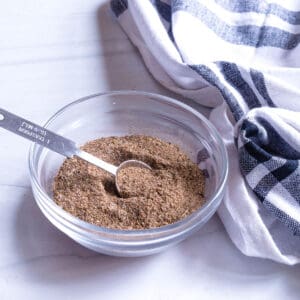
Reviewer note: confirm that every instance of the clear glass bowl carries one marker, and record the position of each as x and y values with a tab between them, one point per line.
124	113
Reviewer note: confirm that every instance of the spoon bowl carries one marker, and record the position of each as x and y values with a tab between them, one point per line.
128	164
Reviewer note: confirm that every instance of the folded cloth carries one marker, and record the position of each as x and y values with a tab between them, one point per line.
240	57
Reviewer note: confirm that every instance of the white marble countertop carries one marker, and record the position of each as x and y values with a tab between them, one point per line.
51	53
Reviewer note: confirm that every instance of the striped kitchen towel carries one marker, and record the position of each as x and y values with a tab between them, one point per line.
242	58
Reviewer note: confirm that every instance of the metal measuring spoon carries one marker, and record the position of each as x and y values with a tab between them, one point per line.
60	144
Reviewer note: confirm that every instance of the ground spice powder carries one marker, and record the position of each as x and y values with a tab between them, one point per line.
173	189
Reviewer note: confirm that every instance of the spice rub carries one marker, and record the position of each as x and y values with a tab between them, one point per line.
172	190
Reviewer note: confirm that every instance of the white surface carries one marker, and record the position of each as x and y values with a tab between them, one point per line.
51	53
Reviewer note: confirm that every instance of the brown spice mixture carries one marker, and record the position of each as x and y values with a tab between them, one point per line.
173	189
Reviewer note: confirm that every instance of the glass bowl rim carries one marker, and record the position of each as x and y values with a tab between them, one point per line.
192	218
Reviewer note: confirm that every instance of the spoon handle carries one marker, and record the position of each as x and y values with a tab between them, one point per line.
38	134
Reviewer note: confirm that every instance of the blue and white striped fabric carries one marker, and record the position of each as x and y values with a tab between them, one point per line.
241	57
